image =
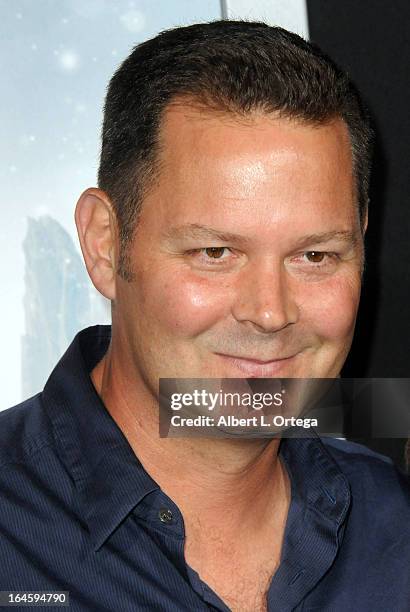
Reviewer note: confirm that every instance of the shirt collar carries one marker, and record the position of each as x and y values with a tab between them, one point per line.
109	477
320	500
316	478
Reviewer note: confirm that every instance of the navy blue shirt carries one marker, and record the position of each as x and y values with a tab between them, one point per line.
79	513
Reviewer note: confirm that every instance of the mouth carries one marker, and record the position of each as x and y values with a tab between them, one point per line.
255	368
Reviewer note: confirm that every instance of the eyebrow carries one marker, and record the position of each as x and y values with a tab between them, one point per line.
347	236
197	231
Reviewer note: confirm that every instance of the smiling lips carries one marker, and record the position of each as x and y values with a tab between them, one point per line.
254	368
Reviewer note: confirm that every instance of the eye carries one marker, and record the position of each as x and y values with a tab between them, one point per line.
215	252
315	265
316	256
212	256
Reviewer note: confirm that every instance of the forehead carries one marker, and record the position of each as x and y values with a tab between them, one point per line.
191	130
214	164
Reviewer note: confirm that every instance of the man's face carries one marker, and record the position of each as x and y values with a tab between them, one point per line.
248	253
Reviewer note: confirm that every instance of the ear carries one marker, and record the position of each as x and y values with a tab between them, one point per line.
97	231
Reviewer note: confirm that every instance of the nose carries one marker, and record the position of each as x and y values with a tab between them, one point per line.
264	298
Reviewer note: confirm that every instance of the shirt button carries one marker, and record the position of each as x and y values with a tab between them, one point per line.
165	515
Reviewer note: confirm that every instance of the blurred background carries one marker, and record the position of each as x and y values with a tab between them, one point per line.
56	59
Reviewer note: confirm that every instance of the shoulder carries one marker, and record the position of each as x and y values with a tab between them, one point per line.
345	450
24	429
376	483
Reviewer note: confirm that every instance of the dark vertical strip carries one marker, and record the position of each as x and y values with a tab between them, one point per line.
371	40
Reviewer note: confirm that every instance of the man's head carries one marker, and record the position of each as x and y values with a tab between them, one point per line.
237	68
235	167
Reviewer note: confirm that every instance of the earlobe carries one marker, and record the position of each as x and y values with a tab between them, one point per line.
96	227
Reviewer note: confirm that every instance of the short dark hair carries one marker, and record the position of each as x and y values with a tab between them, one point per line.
233	66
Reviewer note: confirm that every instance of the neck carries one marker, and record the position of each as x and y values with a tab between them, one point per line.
213	474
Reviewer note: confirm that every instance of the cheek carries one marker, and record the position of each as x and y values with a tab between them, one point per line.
185	305
332	312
